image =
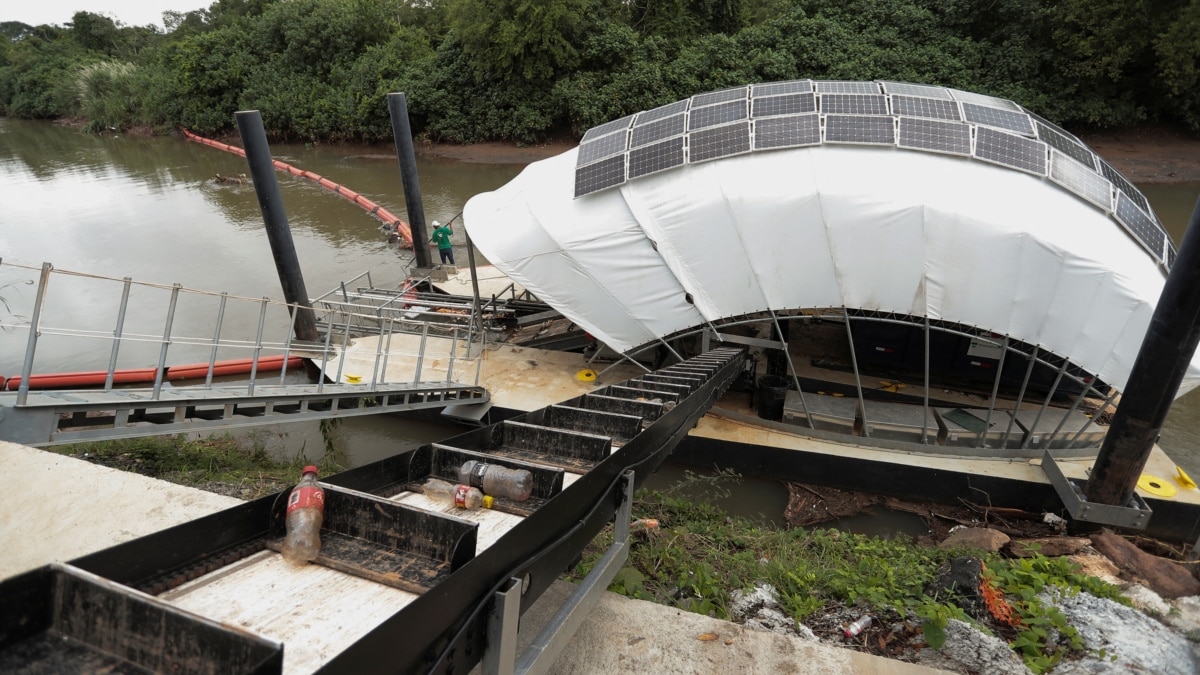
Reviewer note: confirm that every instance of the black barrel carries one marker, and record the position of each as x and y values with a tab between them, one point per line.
772	391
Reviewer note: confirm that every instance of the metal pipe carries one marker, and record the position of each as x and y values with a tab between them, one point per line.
31	344
262	320
402	133
421	353
287	347
1012	418
117	331
1166	352
857	377
279	233
166	342
987	421
212	356
925	399
476	312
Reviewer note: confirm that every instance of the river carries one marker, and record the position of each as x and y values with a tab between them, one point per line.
150	209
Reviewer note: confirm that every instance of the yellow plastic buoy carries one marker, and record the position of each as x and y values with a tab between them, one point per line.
1156	486
1183	479
354	379
586	375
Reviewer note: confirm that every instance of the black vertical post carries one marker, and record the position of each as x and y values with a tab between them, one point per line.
279	234
1161	363
402	132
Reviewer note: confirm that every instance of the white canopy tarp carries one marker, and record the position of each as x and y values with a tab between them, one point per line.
827	226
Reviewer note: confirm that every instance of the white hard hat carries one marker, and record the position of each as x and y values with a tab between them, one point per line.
436	224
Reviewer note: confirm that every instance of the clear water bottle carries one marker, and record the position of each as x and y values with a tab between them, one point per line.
858	626
462	496
305	513
496	480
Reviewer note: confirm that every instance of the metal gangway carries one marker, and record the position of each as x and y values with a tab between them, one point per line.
124	341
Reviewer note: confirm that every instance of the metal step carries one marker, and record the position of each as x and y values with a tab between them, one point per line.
56	417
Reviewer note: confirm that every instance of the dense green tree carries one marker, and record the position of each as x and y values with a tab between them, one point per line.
532	40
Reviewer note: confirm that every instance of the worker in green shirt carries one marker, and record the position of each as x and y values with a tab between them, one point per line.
441	237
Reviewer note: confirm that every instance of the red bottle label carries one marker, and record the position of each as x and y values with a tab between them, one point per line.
309	496
460	495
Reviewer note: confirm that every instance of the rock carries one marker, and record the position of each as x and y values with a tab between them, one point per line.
1138	642
971	651
1167	578
1051	547
760	609
958	581
1146	600
1095	565
1186	617
983	538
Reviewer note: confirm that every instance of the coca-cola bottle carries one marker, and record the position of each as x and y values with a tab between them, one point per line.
462	496
496	480
305	512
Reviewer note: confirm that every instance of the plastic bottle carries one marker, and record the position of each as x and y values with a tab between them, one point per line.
305	513
858	626
462	496
498	481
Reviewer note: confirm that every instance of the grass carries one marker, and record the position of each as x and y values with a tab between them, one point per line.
700	555
220	464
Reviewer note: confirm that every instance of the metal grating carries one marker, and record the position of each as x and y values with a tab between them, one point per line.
603	146
776	88
871	130
985	100
731	139
1017	152
919	90
787	132
657	130
1001	119
1141	225
719	96
842	87
600	175
721	113
787	104
1123	185
935	135
854	104
933	108
1081	180
1066	145
607	128
655	158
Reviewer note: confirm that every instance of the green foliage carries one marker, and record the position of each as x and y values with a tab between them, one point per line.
108	92
700	555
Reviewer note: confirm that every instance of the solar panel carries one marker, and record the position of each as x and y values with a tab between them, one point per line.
600	175
874	130
1170	256
601	147
921	90
661	112
1141	225
934	108
935	135
984	100
731	139
721	113
607	128
1123	185
1010	150
854	104
787	104
1001	119
1065	145
652	158
841	87
1081	180
657	130
1052	125
776	88
719	96
787	132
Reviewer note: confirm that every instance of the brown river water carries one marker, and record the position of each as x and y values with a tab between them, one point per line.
150	209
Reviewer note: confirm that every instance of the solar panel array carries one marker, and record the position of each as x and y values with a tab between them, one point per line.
918	117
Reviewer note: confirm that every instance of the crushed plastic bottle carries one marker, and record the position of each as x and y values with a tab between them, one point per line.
305	513
462	496
496	480
858	626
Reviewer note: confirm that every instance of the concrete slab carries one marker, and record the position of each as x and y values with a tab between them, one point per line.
55	508
622	635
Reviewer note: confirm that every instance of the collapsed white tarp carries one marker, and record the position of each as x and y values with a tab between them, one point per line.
827	226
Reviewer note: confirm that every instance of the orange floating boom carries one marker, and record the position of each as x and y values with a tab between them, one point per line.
387	217
96	378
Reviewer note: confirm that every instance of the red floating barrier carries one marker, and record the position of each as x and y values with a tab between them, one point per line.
232	367
91	378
